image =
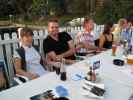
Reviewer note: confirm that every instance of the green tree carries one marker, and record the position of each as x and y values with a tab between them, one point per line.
112	10
4	8
23	7
38	8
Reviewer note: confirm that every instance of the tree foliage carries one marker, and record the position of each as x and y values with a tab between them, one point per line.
111	10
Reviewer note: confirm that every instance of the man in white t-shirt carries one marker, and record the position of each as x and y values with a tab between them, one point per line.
27	59
85	39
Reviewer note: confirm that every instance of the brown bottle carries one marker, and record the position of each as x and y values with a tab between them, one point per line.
92	75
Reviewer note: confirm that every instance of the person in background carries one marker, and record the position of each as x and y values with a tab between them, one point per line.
85	39
58	45
118	30
106	38
27	60
127	33
2	80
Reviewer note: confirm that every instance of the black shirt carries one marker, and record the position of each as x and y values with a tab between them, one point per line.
60	46
108	44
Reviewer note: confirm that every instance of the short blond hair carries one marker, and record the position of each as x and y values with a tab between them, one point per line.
55	20
86	20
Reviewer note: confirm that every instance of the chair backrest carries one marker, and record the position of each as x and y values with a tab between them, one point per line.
4	76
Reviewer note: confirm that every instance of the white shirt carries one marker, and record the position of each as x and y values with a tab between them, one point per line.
32	58
84	37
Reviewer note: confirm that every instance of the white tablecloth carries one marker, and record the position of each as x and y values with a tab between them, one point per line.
49	81
116	81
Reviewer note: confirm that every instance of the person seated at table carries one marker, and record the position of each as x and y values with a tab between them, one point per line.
118	30
27	60
2	80
106	38
127	33
85	39
58	45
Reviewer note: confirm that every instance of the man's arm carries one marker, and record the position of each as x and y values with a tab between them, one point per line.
101	42
20	71
71	50
88	46
52	58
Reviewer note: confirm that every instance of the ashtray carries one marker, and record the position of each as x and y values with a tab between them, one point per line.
118	62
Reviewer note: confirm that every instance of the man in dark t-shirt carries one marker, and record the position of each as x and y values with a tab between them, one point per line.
58	45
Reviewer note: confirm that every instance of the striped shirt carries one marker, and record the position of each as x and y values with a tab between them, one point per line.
83	37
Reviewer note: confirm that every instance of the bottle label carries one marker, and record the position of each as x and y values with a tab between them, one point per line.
96	65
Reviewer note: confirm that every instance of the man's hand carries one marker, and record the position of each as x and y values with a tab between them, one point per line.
59	57
31	76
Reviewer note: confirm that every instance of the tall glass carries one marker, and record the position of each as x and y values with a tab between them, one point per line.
63	76
114	47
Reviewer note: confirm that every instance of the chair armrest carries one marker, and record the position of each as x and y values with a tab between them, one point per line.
17	81
24	77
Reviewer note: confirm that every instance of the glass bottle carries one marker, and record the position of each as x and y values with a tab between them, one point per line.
63	76
92	75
